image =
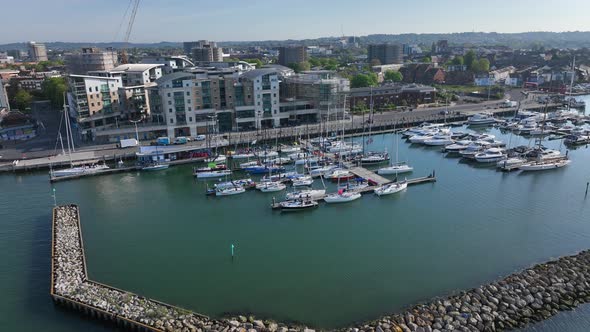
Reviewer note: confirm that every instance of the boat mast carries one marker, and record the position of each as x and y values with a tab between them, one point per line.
569	101
67	123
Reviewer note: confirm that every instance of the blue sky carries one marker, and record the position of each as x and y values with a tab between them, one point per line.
178	20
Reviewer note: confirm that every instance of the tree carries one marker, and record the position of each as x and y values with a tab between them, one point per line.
484	65
53	89
469	59
364	80
22	100
427	59
299	67
457	61
393	76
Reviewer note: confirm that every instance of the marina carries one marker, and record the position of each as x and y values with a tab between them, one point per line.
408	243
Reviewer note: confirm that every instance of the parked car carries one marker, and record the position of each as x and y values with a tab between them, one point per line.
200	137
181	140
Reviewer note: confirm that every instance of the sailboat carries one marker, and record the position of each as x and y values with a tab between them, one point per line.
78	170
397	167
391	188
372	157
544	164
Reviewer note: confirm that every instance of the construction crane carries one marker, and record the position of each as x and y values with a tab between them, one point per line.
135	5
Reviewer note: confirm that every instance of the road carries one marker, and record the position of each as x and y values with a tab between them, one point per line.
44	146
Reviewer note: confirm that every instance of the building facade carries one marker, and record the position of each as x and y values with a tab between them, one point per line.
385	53
91	59
37	52
292	54
392	95
3	96
94	103
203	51
170	64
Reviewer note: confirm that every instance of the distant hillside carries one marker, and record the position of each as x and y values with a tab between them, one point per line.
573	39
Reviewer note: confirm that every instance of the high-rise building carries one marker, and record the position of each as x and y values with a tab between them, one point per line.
292	54
386	53
203	51
37	51
3	96
91	59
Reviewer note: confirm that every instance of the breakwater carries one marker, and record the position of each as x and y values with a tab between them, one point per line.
528	296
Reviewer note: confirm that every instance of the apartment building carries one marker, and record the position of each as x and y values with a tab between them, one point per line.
292	54
385	53
91	59
94	103
203	51
37	52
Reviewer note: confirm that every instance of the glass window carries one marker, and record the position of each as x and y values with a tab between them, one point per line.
188	93
169	110
168	94
169	102
190	118
172	121
90	89
92	104
96	88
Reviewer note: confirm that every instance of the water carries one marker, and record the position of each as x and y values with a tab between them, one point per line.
158	235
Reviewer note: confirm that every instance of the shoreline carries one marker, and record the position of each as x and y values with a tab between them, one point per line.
531	295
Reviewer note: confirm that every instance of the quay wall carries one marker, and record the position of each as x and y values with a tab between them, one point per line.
531	295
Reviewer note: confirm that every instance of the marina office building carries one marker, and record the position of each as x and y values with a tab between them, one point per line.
201	100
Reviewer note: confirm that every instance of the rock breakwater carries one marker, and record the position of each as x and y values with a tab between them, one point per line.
522	298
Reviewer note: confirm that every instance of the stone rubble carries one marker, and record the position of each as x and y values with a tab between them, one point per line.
522	298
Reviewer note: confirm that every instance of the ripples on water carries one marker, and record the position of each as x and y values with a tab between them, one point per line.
158	235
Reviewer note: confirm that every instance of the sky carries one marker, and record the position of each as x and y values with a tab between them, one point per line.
238	20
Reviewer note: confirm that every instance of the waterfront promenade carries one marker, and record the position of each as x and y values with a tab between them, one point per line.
513	302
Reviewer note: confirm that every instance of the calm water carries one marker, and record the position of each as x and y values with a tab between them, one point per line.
158	235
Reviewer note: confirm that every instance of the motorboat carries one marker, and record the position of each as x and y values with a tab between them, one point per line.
545	165
543	154
299	155
438	140
490	155
302	181
354	186
390	188
423	127
481	119
398	168
457	146
342	197
155	167
230	191
244	183
313	194
297	205
472	149
213	174
511	162
419	139
79	170
269	187
375	158
280	177
527	128
576	140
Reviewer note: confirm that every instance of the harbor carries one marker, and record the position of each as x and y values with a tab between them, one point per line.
136	245
535	294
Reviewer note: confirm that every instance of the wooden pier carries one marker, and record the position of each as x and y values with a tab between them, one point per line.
368	175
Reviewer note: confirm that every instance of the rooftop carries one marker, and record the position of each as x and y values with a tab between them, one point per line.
135	67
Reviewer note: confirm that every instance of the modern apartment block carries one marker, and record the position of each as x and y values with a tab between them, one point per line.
203	51
386	53
3	96
292	54
94	102
91	59
324	89
37	51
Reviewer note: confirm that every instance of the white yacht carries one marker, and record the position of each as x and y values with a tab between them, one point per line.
457	146
391	188
438	140
313	194
472	149
213	174
481	119
230	191
269	187
545	165
419	139
398	168
303	181
490	155
342	197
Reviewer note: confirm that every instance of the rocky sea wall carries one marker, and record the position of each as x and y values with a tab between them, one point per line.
532	295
